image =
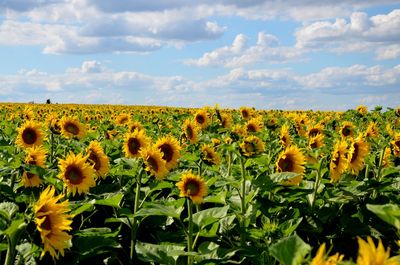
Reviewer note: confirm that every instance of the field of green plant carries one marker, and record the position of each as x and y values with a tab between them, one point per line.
105	184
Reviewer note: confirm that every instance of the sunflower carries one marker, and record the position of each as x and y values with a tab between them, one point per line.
254	124
201	118
170	149
347	129
153	159
291	160
209	155
135	126
246	113
369	254
356	154
316	141
372	130
134	142
71	127
363	110
315	130
52	221
396	144
386	158
98	159
77	174
192	186
322	259
35	156
284	137
226	120
252	145
30	134
190	130
28	114
53	123
122	119
338	162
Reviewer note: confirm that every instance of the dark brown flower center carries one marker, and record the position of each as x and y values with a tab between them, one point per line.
153	163
336	160
168	152
355	153
245	114
95	160
314	144
74	175
192	187
29	136
29	175
71	128
200	119
346	131
397	143
46	225
251	127
286	164
134	145
314	132
189	132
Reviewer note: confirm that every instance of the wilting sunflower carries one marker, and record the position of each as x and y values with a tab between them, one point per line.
135	126
363	110
77	174
291	160
396	144
30	134
358	150
122	119
190	129
226	120
202	118
209	155
254	124
153	159
71	127
170	148
322	259
316	141
35	156
246	113
284	137
338	163
369	254
347	129
98	159
134	142
372	130
192	186
252	145
53	222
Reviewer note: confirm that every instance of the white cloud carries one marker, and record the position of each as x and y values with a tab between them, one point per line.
238	54
380	33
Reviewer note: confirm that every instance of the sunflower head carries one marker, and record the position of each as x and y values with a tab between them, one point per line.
154	162
314	130
226	120
122	119
252	145
134	142
284	137
209	155
30	134
339	161
254	124
239	130
368	253
135	126
190	130
396	145
35	156
358	150
347	129
76	173
361	109
321	257
291	160
170	148
202	118
53	222
372	130
317	141
246	112
193	187
71	127
98	159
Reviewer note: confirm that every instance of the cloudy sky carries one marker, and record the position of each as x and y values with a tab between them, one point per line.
270	54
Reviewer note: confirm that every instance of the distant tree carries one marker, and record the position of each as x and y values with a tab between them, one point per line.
48	101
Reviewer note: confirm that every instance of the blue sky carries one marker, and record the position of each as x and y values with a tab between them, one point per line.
314	54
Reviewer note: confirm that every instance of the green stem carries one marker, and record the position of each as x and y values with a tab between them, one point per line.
243	202
190	232
10	252
379	173
228	187
200	167
51	148
135	209
317	183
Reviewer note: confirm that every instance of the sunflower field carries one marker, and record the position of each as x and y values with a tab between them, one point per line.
106	184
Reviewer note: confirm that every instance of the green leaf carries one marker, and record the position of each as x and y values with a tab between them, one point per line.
217	198
8	209
88	206
390	213
209	216
3	247
282	176
164	254
14	227
160	209
112	199
27	252
290	250
97	231
91	245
